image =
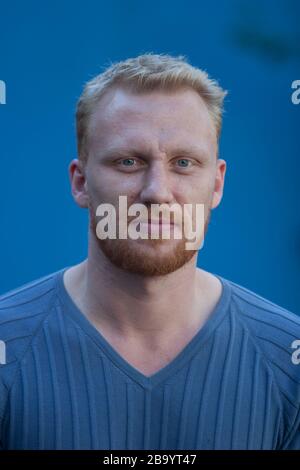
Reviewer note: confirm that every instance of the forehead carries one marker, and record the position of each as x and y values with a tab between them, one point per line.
125	116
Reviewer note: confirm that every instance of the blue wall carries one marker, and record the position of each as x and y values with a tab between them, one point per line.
49	49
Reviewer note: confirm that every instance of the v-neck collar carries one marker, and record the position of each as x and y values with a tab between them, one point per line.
172	367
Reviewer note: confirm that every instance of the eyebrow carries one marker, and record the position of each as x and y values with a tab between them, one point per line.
119	152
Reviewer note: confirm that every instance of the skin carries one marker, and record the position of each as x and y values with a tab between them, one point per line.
147	316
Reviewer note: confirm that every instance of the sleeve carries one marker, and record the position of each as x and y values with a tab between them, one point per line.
292	441
3	402
294	444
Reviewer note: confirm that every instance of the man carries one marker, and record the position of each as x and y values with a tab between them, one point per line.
135	347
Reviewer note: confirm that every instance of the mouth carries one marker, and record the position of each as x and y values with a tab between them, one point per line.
157	222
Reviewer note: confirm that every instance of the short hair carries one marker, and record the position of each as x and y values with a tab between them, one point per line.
145	73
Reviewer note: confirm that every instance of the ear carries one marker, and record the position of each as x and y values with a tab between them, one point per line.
78	183
219	183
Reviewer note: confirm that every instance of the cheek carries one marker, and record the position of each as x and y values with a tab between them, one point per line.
194	190
107	189
130	186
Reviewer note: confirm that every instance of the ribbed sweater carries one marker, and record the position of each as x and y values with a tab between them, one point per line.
63	386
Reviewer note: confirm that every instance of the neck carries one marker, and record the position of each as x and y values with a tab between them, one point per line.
133	305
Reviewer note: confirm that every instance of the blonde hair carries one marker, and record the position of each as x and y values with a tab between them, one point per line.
144	73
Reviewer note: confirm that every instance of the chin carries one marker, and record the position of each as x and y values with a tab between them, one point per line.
147	257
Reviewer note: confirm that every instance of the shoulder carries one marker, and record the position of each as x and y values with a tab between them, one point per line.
22	313
27	300
267	321
22	310
274	333
274	329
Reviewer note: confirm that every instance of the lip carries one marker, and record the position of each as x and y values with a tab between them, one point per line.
157	222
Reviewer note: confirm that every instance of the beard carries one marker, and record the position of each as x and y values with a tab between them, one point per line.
146	257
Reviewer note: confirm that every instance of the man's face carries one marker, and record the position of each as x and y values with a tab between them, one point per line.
154	148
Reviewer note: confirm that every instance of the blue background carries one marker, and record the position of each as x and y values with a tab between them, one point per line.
49	49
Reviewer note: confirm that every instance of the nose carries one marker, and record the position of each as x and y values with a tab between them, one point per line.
157	185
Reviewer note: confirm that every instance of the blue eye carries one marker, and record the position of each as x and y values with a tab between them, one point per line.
128	160
183	162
